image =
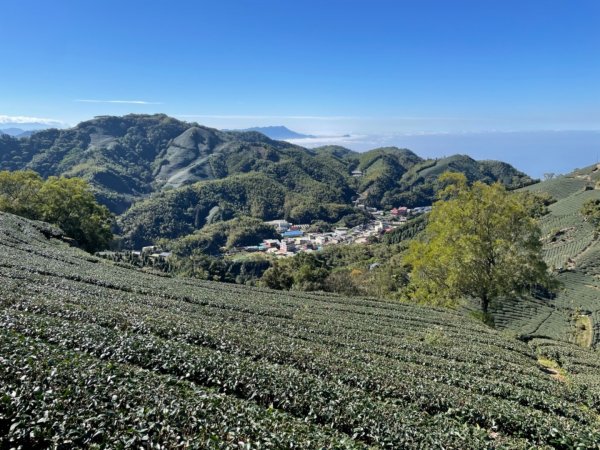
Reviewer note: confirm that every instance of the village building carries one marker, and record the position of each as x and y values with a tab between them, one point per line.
271	243
341	231
292	233
321	240
280	225
401	211
287	246
150	249
160	256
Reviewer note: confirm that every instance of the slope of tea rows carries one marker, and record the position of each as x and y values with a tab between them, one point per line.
95	354
572	250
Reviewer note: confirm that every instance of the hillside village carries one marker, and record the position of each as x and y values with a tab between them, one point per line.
296	238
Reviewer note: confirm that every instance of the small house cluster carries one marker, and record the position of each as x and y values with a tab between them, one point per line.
296	238
402	213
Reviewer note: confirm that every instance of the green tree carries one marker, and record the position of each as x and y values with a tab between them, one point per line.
480	242
591	211
19	192
278	277
70	204
66	202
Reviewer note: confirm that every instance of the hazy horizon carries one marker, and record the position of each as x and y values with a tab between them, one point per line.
535	152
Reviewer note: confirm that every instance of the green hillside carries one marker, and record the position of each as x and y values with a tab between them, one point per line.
417	185
394	176
127	159
94	354
180	212
572	249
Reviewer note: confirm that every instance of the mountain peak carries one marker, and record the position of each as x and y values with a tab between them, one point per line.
278	132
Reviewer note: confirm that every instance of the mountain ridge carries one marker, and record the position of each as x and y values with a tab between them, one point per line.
17	132
139	159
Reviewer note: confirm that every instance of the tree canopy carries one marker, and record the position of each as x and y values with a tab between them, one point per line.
591	211
66	202
480	242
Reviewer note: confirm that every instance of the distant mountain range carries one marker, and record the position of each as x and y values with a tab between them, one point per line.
279	132
167	178
17	132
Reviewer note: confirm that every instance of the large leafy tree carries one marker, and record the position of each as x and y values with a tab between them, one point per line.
19	192
480	242
66	202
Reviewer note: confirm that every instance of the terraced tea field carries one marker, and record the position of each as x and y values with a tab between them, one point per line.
98	355
559	187
572	248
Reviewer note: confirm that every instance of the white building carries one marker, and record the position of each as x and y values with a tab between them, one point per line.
280	225
341	231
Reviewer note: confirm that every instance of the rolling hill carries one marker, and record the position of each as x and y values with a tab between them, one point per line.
16	132
97	354
155	170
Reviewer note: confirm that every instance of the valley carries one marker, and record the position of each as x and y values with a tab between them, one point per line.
162	177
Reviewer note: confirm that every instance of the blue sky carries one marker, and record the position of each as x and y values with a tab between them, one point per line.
323	67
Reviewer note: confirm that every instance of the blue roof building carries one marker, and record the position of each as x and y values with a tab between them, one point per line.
293	234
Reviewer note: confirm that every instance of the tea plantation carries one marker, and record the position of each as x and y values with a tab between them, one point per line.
572	249
97	355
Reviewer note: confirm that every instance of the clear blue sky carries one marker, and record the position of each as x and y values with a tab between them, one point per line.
324	66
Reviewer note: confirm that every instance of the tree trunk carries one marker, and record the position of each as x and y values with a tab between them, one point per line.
485	303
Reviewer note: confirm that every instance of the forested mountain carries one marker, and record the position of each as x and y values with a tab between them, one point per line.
177	173
393	176
128	158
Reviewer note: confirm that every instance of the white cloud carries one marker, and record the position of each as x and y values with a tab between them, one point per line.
4	120
309	117
318	141
259	117
125	102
